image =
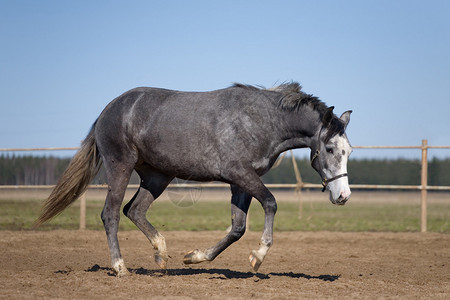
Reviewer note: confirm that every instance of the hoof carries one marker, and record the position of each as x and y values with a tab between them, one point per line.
120	269
194	257
188	258
122	273
255	262
161	262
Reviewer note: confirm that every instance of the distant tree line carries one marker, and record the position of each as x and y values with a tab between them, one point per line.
30	170
369	171
34	170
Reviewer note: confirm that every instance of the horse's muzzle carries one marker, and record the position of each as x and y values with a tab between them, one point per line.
343	198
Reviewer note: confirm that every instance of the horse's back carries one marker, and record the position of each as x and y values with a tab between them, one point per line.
186	134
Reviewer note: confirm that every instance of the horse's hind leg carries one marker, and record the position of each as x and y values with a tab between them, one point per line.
118	175
240	202
152	185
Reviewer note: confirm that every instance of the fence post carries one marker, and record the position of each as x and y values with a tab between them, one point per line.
83	211
424	183
298	189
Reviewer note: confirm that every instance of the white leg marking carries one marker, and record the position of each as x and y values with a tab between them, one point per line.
194	257
161	257
262	251
119	268
257	256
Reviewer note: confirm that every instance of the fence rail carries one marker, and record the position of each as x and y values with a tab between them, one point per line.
423	187
269	185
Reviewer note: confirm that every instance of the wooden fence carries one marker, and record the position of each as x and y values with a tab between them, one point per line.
298	186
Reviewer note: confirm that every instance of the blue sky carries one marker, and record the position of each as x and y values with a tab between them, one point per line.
62	61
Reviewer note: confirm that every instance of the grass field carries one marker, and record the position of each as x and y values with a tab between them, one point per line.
395	212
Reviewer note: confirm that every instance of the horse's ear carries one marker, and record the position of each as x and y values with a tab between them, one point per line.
346	117
327	116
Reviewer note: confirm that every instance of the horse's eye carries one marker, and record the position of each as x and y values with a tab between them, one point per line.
330	150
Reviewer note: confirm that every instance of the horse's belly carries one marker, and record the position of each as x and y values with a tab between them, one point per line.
185	164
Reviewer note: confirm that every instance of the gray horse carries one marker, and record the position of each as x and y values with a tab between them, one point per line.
233	135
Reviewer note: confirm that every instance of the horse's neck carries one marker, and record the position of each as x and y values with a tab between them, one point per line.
301	128
292	142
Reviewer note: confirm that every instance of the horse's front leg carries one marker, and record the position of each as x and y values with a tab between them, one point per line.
252	185
240	202
270	207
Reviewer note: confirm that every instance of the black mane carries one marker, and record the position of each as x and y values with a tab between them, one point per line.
291	97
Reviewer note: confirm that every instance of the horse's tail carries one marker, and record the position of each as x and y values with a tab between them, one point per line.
74	181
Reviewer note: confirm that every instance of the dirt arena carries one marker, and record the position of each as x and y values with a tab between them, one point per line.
75	265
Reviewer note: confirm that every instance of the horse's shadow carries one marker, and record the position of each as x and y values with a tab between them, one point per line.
223	274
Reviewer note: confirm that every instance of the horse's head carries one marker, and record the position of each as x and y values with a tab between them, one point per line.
329	155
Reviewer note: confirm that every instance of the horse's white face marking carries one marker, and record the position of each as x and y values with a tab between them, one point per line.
329	158
335	158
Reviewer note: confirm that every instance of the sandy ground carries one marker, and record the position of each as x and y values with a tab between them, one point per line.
75	265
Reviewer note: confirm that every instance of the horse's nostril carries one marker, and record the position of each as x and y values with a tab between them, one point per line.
341	200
